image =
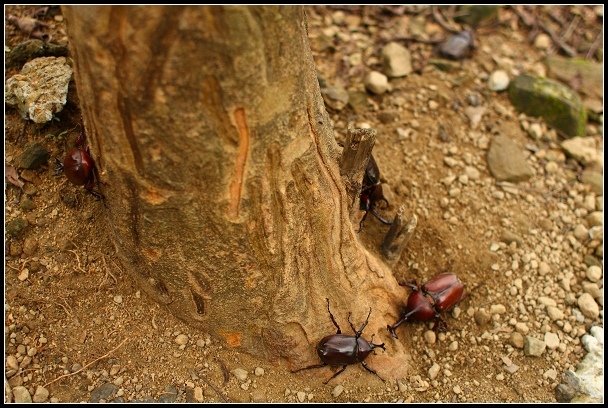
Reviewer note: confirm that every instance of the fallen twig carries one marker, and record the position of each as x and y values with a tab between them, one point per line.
218	392
557	40
595	45
87	365
441	21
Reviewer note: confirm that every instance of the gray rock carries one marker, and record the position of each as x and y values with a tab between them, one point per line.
559	105
588	307
498	80
41	394
584	150
103	392
335	97
586	385
31	49
33	157
169	395
21	395
534	346
40	89
376	82
506	161
396	60
457	46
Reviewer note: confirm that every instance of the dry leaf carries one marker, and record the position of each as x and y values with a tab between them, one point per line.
13	177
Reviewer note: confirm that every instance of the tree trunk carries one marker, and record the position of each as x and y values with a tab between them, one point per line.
221	175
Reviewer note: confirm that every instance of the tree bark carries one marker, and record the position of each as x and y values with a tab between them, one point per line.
221	174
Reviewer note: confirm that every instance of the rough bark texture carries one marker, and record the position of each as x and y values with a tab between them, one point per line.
221	175
355	155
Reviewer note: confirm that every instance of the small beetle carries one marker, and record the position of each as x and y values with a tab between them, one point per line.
371	192
341	349
79	167
439	294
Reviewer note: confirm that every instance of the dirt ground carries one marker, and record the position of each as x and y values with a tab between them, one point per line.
71	311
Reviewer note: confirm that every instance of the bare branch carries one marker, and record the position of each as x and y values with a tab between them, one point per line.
357	149
398	236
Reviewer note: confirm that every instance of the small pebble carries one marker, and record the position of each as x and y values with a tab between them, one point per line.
498	81
338	389
259	371
522	328
551	340
434	371
301	396
594	273
41	394
240	374
118	299
430	337
542	41
588	306
181	339
533	346
482	317
21	395
517	340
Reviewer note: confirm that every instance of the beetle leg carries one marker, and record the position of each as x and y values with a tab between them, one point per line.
405	317
335	375
361	222
358	333
58	167
440	325
306	368
411	284
370	370
332	318
373	346
382	220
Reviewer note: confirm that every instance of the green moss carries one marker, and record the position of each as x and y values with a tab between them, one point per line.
475	14
557	104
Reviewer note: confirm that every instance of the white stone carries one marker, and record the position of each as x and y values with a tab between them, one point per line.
498	80
376	82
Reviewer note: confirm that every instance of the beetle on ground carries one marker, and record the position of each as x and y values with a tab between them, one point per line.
439	294
341	349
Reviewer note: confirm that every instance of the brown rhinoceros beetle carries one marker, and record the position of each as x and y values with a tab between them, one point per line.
439	294
341	349
371	192
79	167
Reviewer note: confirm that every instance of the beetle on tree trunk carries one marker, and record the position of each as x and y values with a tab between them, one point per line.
371	192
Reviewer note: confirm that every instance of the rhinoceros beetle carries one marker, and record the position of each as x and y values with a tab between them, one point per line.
371	192
79	167
427	302
341	349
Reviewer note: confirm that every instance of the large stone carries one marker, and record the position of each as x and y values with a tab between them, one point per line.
506	161
397	60
557	104
40	89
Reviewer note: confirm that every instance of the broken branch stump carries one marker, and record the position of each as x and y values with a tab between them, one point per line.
398	235
356	153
